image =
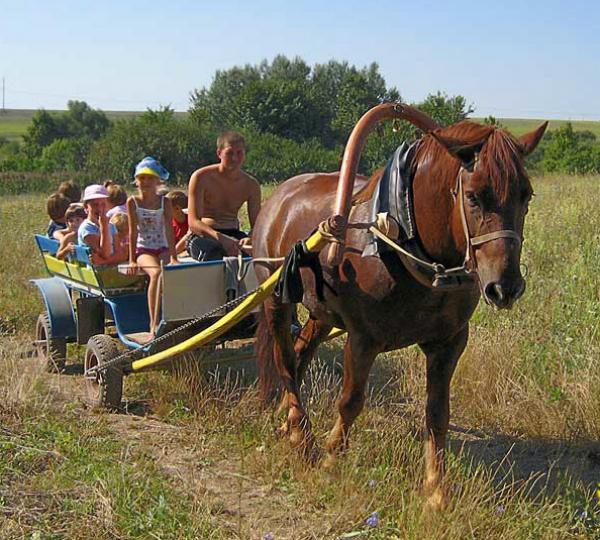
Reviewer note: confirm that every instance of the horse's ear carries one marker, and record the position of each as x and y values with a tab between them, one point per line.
530	140
457	148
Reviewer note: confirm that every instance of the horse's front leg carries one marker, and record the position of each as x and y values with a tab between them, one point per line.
442	358
359	354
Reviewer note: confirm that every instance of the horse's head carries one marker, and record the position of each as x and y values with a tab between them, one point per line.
491	193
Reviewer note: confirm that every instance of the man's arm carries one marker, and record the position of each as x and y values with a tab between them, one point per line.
195	206
253	202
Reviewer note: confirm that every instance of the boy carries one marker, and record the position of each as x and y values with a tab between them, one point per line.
179	201
70	190
57	205
216	194
74	216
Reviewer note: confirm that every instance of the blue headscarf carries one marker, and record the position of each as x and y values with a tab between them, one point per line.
150	165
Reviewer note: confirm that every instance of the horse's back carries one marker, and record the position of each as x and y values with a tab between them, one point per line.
294	210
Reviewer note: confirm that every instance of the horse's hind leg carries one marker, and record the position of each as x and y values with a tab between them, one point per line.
279	318
359	355
311	336
442	358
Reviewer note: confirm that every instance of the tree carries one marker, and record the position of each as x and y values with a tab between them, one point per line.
79	121
289	99
569	151
444	109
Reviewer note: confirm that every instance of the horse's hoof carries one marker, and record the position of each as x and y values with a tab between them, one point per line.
283	430
436	501
330	461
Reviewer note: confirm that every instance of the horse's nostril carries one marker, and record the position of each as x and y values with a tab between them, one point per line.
494	293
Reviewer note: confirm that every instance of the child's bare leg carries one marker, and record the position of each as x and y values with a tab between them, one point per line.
151	266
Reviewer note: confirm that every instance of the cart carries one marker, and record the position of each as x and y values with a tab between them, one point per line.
107	311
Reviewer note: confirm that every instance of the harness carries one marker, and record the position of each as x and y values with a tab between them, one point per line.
398	184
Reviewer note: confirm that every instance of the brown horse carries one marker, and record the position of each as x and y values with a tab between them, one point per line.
469	182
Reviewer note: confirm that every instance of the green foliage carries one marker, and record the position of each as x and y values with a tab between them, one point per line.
66	154
180	145
79	121
273	159
444	109
289	99
569	151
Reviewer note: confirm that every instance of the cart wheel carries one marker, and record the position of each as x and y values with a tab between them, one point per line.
104	389
51	351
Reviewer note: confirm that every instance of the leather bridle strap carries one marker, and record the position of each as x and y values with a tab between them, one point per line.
472	241
504	233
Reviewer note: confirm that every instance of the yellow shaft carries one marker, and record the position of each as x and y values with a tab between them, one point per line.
315	243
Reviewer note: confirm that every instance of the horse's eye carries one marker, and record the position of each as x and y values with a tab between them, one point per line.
472	198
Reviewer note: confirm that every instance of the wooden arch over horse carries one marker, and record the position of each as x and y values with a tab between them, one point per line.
471	194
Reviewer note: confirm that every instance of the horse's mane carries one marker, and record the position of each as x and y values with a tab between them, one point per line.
500	157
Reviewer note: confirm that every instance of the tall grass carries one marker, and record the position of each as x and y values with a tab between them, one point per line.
523	459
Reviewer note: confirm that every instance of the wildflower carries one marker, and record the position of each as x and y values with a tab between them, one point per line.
373	520
268	536
372	483
584	515
500	509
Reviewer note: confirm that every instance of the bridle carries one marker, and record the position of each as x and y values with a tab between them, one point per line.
470	261
440	277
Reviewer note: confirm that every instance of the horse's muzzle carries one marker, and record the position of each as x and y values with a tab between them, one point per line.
503	295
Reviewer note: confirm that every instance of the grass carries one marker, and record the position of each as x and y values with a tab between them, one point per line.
14	122
202	460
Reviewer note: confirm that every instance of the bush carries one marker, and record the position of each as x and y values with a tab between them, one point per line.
273	159
181	146
567	151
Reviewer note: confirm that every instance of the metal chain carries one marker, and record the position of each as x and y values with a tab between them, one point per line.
129	355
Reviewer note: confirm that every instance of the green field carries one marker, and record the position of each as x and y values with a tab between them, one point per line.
195	456
14	122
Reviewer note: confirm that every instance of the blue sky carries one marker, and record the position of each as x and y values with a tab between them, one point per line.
521	59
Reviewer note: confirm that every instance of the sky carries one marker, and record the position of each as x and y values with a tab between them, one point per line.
527	59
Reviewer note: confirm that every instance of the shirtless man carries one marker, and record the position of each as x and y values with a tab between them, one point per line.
215	195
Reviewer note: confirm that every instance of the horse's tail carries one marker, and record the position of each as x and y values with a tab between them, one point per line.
268	377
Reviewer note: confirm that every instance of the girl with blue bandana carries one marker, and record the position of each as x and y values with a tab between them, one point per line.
151	238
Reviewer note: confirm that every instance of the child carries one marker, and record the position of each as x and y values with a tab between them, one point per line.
70	190
57	205
117	198
150	230
74	216
121	223
96	232
180	222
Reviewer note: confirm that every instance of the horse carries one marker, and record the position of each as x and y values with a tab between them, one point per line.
469	182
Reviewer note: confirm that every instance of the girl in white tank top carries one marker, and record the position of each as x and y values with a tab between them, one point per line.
151	237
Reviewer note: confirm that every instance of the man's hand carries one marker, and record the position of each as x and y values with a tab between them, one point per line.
245	244
230	244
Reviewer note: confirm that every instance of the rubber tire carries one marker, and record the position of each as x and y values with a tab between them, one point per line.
52	353
106	390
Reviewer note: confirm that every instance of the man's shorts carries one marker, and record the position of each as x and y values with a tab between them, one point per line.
205	248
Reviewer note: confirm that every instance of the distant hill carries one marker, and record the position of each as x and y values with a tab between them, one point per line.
14	122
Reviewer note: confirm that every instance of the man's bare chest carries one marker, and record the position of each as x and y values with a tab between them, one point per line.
225	196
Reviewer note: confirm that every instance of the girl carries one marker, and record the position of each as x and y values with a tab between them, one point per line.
151	237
